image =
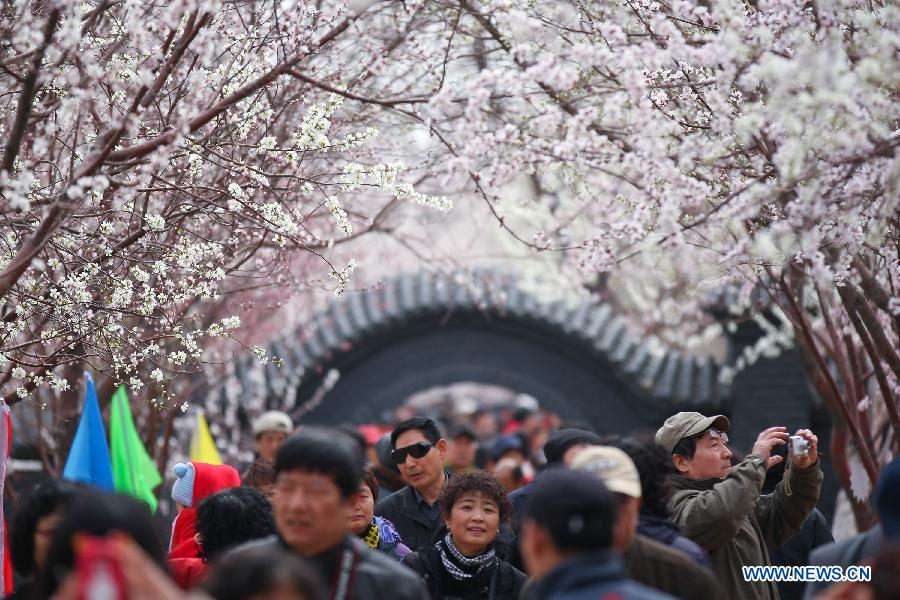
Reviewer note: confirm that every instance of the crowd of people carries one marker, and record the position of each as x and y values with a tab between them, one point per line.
527	508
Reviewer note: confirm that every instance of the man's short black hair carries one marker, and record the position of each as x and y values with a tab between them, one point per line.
560	441
325	451
425	425
654	466
231	517
687	446
577	511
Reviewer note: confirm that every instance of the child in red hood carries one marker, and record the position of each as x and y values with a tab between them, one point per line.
195	481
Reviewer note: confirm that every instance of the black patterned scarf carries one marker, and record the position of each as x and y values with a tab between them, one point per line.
459	566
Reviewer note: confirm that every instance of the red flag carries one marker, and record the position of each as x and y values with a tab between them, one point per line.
5	443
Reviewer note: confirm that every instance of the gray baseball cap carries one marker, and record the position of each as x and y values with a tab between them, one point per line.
614	468
273	420
685	424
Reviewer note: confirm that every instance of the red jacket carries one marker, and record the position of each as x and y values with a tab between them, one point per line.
185	563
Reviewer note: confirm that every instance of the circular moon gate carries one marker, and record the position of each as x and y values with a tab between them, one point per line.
422	331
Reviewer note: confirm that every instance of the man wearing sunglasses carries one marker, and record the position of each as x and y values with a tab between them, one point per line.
418	451
722	507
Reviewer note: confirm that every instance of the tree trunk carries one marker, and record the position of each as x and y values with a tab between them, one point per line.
68	410
862	512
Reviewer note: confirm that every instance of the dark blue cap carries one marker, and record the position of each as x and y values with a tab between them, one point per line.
887	499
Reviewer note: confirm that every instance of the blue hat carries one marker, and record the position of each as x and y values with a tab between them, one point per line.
887	499
183	489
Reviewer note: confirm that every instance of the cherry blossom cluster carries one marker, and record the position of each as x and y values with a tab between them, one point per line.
163	161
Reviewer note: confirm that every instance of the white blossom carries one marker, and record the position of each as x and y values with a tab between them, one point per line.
156	222
232	322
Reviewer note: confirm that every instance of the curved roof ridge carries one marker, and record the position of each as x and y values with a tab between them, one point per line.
671	378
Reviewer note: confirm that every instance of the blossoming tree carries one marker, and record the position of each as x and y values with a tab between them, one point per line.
688	148
162	161
159	157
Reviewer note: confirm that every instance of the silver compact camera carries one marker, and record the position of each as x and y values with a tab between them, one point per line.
799	445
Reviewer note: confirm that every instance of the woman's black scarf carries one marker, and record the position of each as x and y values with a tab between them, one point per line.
461	567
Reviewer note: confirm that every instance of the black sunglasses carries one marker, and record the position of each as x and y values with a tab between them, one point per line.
417	450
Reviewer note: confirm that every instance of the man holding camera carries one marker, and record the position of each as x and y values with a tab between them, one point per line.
721	507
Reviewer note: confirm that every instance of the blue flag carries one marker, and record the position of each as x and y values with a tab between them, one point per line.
88	460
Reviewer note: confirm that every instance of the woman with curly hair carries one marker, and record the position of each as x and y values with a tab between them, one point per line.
225	520
463	564
378	533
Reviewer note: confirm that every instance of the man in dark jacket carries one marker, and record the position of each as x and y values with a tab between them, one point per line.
560	445
419	452
866	545
566	539
319	473
646	561
721	508
795	552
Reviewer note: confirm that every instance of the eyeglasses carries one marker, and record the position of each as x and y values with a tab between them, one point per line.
720	435
417	450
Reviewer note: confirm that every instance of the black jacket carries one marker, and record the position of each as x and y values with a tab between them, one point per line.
852	551
590	577
403	509
374	575
795	552
666	532
507	581
518	499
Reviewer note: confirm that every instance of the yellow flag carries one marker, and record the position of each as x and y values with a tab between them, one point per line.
203	446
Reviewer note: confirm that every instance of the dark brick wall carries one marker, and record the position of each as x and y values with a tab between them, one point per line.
776	391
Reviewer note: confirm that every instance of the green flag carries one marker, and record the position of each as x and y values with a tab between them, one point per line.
134	471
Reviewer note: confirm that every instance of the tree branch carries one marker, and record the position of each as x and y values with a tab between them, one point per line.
388	103
142	150
855	303
26	97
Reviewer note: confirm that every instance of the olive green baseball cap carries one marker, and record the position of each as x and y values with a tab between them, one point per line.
685	424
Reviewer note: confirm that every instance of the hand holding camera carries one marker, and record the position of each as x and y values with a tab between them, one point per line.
773	436
804	449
